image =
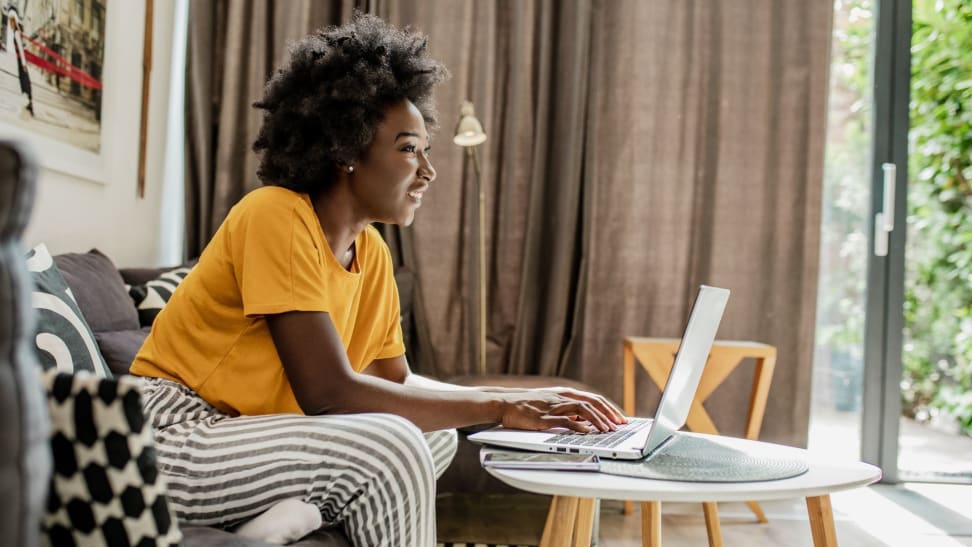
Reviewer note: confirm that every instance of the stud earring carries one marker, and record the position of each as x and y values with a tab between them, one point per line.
350	169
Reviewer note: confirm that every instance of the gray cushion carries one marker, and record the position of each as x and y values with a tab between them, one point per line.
120	347
99	290
25	460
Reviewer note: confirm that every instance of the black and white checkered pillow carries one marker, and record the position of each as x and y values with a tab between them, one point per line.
106	489
151	297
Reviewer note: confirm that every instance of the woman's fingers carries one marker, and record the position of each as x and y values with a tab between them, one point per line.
567	422
601	403
615	413
544	410
586	411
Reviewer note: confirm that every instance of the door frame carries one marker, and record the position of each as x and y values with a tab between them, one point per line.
884	321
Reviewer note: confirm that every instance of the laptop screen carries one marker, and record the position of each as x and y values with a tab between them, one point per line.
693	350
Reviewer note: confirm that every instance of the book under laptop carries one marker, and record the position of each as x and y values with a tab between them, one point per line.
640	437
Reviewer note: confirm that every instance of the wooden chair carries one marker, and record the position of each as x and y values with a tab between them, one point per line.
656	356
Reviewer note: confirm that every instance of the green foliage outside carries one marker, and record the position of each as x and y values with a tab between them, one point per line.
937	356
938	298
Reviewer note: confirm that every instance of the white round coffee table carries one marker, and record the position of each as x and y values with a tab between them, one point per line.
571	516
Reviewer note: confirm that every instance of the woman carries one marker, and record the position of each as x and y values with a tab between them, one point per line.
277	379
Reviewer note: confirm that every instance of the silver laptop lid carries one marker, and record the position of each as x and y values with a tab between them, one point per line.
693	350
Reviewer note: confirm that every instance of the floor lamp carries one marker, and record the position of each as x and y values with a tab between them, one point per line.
469	134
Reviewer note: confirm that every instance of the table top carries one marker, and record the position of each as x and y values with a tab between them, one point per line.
824	476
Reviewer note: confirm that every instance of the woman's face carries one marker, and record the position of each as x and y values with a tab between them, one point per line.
392	176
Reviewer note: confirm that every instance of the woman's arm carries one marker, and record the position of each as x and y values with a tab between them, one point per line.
323	382
396	369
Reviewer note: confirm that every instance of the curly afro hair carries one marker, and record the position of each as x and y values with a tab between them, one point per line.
322	110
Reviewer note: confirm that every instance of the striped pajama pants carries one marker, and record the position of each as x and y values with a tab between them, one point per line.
373	474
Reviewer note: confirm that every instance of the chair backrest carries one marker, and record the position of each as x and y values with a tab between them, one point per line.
25	461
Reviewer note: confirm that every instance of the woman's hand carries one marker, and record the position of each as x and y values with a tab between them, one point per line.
602	403
544	409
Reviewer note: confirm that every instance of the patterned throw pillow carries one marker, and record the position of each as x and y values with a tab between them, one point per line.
105	489
151	297
64	340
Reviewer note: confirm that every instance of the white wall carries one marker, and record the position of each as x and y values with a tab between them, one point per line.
74	214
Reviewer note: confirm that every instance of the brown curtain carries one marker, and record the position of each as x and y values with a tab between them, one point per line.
233	47
636	149
706	166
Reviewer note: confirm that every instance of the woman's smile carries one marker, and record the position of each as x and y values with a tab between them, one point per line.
415	194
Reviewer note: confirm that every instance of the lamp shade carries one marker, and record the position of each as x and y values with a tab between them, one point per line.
469	132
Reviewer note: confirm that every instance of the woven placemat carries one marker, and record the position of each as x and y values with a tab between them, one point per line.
696	459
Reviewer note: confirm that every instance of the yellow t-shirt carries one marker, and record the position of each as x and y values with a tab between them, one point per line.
269	256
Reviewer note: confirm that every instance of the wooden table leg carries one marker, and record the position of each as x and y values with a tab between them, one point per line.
651	524
711	510
822	521
561	520
584	524
628	386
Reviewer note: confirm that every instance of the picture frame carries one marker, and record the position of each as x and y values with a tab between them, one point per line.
55	58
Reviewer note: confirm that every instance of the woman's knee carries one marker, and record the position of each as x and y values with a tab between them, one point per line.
406	436
443	445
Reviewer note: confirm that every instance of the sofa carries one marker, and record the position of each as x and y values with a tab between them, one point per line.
27	468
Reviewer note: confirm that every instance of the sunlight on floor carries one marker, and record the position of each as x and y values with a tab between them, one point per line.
875	511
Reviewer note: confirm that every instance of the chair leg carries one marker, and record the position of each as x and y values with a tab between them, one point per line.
758	511
651	524
712	528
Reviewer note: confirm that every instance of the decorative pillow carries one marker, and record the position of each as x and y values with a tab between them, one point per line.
151	297
106	489
99	289
64	340
120	347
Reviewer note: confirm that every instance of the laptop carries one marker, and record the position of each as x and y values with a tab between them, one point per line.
640	437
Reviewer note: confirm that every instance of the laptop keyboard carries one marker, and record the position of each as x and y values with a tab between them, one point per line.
608	439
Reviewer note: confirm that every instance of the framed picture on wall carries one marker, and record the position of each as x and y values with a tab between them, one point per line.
52	54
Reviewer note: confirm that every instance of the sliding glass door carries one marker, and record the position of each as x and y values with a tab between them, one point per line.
886	233
893	366
934	435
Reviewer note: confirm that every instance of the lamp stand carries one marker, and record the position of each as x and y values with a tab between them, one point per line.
471	150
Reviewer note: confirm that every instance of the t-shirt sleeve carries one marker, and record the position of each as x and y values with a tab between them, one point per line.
277	263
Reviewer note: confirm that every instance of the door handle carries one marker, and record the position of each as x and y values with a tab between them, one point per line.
884	219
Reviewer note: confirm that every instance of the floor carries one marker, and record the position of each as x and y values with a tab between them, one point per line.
914	514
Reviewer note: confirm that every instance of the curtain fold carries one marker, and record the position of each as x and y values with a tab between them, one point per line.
552	248
636	149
